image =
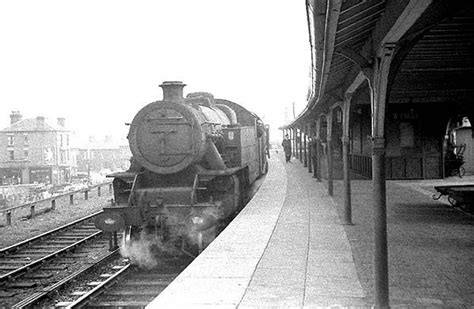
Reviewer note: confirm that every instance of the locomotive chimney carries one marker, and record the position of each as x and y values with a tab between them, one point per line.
172	90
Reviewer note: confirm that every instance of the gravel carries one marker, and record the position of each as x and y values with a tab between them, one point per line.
47	219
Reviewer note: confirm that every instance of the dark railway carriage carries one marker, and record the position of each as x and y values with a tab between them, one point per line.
192	159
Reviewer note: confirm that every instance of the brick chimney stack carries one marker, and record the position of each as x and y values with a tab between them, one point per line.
15	116
40	122
61	122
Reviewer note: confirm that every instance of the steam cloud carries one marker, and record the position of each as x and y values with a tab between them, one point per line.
148	250
140	251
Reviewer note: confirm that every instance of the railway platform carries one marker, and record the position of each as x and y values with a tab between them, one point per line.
289	249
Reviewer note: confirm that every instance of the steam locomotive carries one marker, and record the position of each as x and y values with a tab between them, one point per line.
192	160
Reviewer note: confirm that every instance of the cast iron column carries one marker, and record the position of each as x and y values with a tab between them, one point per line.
300	143
310	151
295	136
378	78
380	224
329	151
293	140
329	156
305	152
317	154
347	216
316	164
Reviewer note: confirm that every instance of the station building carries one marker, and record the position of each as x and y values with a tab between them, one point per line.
401	69
35	150
391	97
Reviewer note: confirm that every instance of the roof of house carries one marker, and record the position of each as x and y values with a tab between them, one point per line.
31	124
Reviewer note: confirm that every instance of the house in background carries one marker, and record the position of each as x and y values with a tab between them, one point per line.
96	155
35	150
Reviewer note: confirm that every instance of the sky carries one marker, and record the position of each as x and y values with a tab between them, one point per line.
96	63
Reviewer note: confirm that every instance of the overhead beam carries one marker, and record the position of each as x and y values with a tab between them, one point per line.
325	48
358	80
406	20
353	56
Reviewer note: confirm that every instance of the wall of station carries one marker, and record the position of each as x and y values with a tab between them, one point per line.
414	142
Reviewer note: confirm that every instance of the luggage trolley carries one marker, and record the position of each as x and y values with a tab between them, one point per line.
458	195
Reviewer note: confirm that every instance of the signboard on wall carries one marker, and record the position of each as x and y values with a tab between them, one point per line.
407	135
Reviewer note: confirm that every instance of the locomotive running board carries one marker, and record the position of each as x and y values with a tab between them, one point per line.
224	172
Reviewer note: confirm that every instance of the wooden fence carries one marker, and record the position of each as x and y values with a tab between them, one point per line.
32	205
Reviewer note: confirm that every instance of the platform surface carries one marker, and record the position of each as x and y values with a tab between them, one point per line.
286	249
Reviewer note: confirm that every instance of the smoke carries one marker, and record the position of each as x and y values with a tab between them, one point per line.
140	251
148	250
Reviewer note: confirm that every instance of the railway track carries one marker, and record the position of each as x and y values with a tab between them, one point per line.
48	297
121	286
39	262
71	267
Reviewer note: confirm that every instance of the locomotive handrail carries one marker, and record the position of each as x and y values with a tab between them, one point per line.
193	194
132	189
53	199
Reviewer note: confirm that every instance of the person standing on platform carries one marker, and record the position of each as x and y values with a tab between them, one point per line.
314	156
287	148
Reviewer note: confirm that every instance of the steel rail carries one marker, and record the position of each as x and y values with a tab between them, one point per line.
16	247
100	288
27	242
36	297
21	270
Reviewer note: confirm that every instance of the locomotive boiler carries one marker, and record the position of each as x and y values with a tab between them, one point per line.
192	159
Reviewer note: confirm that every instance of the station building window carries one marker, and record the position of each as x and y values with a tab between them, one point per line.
25	140
25	153
11	155
10	140
62	155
